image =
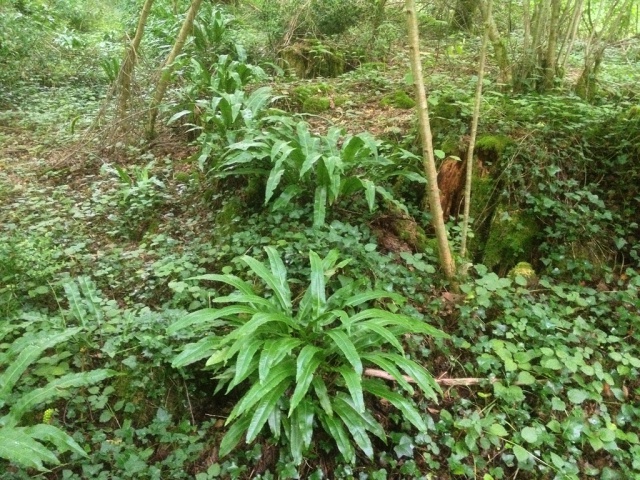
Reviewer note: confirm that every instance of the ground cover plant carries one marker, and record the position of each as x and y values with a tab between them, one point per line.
252	288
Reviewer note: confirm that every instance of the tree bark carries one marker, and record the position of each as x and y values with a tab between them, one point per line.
429	163
499	46
167	68
129	63
550	62
474	132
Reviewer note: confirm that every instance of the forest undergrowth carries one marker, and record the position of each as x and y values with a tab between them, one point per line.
256	291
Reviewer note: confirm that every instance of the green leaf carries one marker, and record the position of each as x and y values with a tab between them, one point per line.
264	409
335	429
28	354
323	395
355	425
348	349
497	429
20	448
285	197
317	285
279	153
234	435
307	363
350	148
525	378
353	381
258	320
301	429
192	352
244	363
280	288
319	206
253	300
208	317
369	193
383	318
388	366
379	389
577	396
279	272
529	434
273	352
51	434
55	389
521	454
425	381
383	333
257	392
361	298
178	115
232	280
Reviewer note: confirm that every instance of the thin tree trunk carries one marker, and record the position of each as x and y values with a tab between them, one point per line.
499	47
570	39
429	163
167	68
474	132
129	63
596	45
550	62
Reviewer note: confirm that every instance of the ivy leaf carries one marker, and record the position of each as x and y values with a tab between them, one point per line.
497	429
577	396
521	454
529	434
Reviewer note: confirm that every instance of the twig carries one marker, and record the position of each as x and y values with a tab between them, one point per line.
453	382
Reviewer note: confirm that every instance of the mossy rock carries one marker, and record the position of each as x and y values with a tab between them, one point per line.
524	270
495	144
308	59
512	237
304	92
398	99
316	105
413	234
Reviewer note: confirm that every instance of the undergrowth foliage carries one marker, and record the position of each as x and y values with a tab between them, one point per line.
305	360
120	357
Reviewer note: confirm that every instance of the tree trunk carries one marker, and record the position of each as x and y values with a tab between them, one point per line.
429	163
499	46
474	132
463	15
570	38
167	68
551	59
129	63
598	41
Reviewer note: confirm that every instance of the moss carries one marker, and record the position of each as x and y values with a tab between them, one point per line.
230	215
398	99
482	193
493	143
316	105
340	100
634	112
410	232
511	238
524	269
372	67
312	59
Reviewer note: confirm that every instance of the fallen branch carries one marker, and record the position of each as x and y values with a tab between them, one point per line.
454	382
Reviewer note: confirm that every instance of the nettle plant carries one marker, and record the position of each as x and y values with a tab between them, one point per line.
305	356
